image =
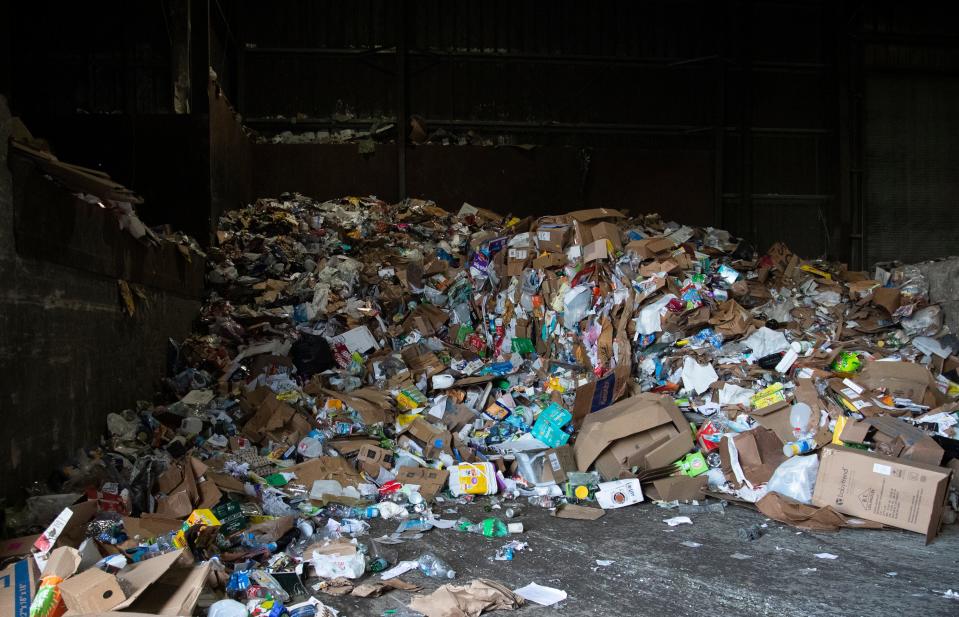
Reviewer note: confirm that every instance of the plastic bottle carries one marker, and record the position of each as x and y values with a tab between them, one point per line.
799	416
800	446
365	513
434	567
489	527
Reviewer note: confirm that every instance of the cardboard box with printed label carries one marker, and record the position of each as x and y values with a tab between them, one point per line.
643	431
557	463
552	237
886	490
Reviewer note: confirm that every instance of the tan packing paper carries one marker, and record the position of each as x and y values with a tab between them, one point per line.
469	600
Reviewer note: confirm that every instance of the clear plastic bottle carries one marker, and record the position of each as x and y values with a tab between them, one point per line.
800	446
799	416
434	567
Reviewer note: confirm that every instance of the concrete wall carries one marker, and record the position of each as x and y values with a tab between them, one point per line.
69	355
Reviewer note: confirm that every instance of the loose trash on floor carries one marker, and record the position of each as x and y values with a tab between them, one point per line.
360	361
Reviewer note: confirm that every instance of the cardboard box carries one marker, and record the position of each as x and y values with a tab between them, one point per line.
92	591
20	580
608	231
649	248
371	459
549	260
430	481
558	462
879	488
599	393
552	237
643	431
433	439
95	591
894	438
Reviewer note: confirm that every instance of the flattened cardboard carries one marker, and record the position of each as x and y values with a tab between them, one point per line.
430	481
678	488
647	430
371	404
14	547
150	527
760	453
549	260
577	512
879	488
593	214
789	511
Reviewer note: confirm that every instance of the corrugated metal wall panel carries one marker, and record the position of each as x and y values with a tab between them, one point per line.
912	158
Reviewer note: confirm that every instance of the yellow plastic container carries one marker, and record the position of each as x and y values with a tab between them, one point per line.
473	479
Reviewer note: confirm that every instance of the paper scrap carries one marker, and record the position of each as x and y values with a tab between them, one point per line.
690	544
740	556
545	596
765	341
678	520
604	562
698	376
399	569
827	556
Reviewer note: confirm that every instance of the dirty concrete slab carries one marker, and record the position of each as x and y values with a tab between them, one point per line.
876	572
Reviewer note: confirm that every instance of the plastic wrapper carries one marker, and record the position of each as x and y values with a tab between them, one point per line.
796	478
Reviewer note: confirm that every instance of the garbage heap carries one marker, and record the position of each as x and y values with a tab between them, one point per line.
363	360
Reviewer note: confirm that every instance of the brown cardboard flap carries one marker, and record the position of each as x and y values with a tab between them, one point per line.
627	418
174	593
678	488
325	468
760	453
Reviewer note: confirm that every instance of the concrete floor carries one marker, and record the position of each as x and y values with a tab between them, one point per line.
885	572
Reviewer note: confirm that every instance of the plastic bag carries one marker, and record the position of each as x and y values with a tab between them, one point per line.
334	565
796	478
924	322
